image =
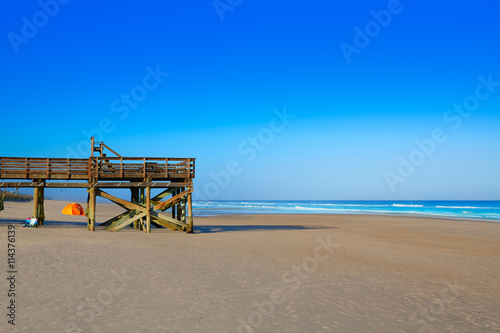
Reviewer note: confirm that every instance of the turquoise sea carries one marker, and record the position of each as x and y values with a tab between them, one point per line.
489	210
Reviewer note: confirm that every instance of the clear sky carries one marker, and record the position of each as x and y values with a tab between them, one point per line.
276	99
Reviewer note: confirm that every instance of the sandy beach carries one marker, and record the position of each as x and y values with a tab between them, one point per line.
253	273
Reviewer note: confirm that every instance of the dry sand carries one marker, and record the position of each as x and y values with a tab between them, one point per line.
281	273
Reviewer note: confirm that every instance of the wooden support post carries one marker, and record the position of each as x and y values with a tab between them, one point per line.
148	207
135	197
142	200
179	207
88	209
36	198
139	212
183	209
163	194
41	210
174	206
190	213
91	209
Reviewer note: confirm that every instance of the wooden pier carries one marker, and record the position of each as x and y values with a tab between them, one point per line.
138	174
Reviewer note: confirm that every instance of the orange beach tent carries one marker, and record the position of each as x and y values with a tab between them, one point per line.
73	209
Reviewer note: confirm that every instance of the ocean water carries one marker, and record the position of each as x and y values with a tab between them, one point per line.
448	209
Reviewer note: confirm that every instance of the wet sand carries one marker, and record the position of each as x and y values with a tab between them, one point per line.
258	273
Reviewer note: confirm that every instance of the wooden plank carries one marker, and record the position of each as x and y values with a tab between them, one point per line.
165	224
169	186
122	216
111	150
164	217
174	199
163	194
157	225
117	226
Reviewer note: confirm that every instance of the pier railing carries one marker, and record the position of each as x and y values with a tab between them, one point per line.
98	168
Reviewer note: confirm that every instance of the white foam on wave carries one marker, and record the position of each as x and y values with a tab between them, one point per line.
254	206
349	205
403	205
253	203
329	209
466	207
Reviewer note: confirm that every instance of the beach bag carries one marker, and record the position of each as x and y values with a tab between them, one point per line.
31	222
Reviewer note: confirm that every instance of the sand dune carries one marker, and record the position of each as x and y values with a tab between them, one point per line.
281	273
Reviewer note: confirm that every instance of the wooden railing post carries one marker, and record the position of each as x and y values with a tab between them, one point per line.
166	168
92	147
89	169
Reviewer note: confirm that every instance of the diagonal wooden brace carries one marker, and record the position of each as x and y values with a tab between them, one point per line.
164	194
120	202
117	225
122	216
168	222
166	204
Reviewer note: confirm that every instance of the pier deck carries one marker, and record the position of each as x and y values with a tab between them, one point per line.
139	174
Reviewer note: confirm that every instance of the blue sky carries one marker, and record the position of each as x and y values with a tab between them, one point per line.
211	80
